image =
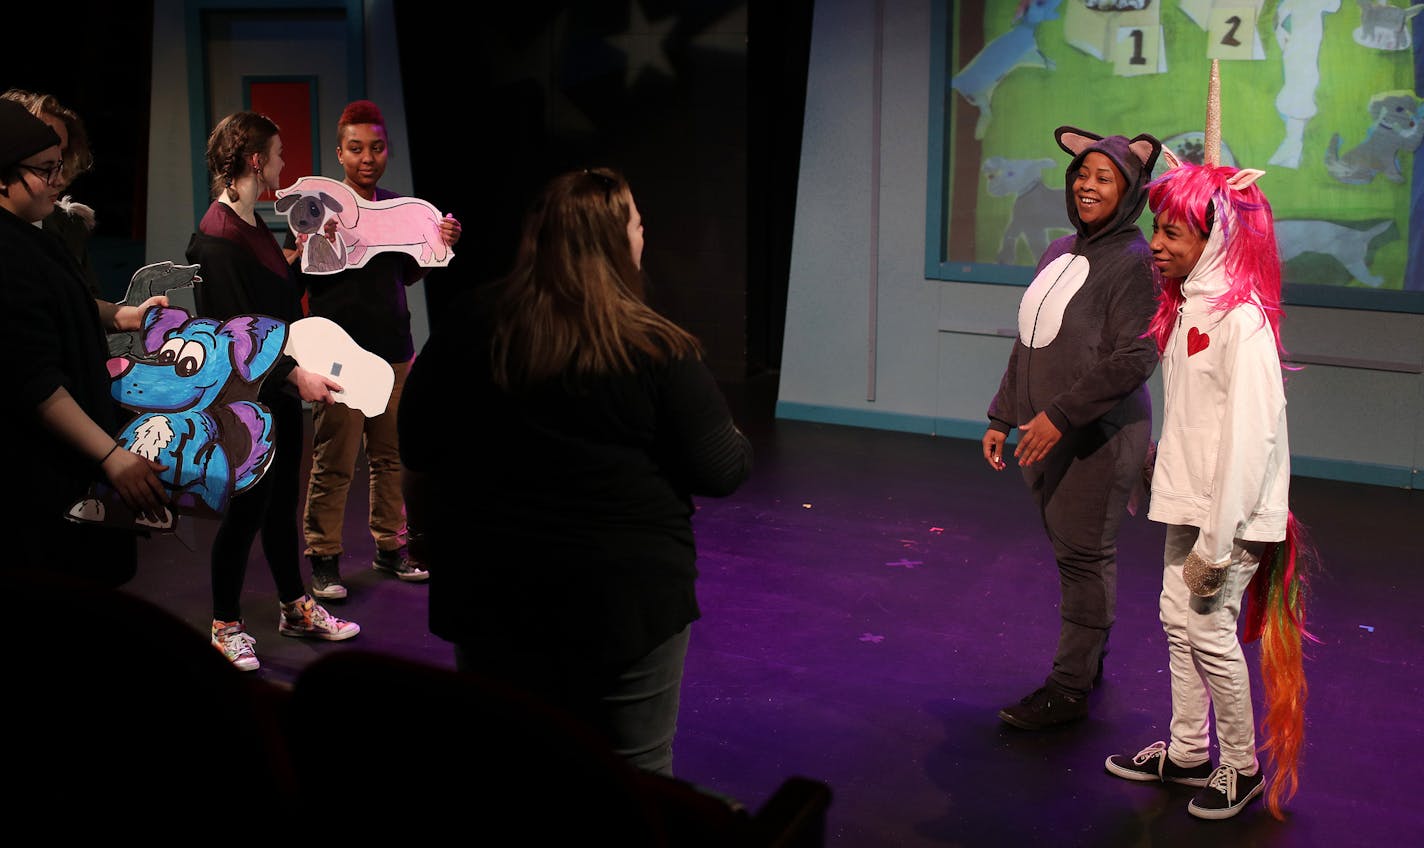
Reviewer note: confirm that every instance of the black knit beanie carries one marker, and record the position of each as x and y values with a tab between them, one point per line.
22	135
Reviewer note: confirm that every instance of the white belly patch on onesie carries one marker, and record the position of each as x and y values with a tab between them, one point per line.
1041	310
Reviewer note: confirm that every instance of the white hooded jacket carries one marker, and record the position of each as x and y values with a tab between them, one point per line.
1223	462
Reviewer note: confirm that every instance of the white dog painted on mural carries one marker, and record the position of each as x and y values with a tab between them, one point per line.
358	229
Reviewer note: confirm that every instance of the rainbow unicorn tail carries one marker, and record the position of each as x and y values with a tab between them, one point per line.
1276	616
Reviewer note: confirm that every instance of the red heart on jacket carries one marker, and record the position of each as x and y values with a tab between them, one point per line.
1196	341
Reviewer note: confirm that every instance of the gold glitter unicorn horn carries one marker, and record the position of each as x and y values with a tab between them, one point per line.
1211	147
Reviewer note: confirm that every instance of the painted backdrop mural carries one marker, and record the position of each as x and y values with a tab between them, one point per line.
1322	94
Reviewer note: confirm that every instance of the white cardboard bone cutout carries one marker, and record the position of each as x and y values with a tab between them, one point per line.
321	346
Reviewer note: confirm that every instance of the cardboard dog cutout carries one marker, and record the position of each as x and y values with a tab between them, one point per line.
175	281
194	384
361	228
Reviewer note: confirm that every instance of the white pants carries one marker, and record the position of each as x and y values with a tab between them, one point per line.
1208	668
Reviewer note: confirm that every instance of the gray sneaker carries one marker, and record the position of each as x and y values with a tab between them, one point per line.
399	563
326	578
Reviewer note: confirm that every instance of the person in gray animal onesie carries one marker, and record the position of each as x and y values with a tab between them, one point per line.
1075	389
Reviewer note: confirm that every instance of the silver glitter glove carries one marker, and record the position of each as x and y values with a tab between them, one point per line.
1202	578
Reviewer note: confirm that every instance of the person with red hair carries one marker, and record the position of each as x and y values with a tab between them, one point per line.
369	303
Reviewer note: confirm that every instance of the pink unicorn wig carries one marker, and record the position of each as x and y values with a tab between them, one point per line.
1206	197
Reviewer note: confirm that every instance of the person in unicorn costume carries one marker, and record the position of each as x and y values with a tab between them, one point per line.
1221	484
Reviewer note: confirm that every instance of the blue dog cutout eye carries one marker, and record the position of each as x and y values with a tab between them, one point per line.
336	369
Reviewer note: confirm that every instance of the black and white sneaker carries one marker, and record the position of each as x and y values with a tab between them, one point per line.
399	563
1153	764
1226	792
326	577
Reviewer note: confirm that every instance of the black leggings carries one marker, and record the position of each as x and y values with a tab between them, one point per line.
270	507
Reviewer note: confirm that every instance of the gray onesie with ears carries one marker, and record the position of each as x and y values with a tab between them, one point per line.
1082	358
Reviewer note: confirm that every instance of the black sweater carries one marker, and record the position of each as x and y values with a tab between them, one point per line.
235	283
53	326
562	512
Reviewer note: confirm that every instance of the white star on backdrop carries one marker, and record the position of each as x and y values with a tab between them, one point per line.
642	43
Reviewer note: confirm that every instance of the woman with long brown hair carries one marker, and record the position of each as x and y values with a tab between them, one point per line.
245	273
556	518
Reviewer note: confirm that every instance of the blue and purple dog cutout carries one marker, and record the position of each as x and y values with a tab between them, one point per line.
194	385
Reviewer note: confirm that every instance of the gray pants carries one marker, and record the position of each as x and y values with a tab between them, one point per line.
1081	489
635	708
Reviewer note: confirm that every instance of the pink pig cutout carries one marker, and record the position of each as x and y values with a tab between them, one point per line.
364	228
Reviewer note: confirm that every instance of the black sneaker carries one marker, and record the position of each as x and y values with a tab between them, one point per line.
1044	708
326	578
1152	763
399	563
1226	792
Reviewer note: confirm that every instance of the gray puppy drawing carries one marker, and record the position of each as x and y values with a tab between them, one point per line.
1397	129
306	214
1385	26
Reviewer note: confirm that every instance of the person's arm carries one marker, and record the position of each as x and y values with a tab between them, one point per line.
133	477
121	318
311	386
712	456
1001	413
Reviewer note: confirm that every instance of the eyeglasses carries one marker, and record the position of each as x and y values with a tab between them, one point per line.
51	174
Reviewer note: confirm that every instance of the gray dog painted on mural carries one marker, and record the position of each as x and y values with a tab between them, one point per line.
1037	208
1397	129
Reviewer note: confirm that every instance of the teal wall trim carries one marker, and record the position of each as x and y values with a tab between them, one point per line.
1357	472
954	428
874	419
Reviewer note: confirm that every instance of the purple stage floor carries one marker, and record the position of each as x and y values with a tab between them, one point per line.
871	599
